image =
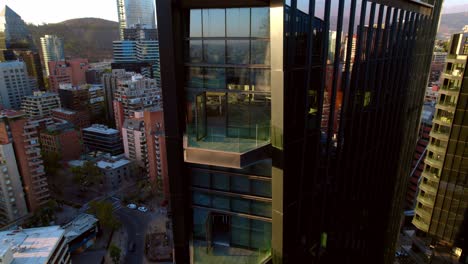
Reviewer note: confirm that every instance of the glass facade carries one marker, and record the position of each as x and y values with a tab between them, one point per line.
241	197
228	82
136	12
333	100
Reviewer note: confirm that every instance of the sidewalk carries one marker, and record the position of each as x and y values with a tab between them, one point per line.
120	239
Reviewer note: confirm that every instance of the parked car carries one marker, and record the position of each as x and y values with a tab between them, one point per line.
132	206
143	209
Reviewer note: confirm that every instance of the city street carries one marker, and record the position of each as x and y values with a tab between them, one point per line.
136	224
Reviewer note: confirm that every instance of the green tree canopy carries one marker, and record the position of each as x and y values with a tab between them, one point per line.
114	252
104	213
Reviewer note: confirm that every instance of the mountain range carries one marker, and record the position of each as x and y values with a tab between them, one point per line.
451	23
92	37
83	37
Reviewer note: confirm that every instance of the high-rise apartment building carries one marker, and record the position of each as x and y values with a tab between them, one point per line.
420	153
252	166
110	83
156	146
442	203
14	84
133	12
138	49
40	104
85	97
52	50
135	94
24	134
134	140
12	200
69	71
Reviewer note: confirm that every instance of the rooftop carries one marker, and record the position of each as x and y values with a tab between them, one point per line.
111	164
64	111
102	129
40	94
79	225
9	64
11	113
31	246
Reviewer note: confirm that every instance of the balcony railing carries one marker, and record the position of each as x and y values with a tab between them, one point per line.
437	149
425	213
456	73
420	224
448	106
430	176
428	188
433	162
444	120
442	135
426	200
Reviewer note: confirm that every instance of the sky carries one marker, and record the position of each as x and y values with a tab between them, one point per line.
54	11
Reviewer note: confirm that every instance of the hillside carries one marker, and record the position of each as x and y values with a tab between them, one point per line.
83	37
452	23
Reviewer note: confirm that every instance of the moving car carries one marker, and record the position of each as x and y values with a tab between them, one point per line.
131	206
143	209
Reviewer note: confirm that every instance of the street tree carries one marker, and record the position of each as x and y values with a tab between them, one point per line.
114	252
104	213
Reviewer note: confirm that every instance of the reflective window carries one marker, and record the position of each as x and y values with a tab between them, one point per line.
215	78
214	23
238	20
260	52
220	181
195	51
240	184
195	23
195	77
261	208
261	80
221	202
214	51
260	22
237	52
240	205
238	79
200	198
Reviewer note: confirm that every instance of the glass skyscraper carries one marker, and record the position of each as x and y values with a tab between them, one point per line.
285	143
135	12
52	50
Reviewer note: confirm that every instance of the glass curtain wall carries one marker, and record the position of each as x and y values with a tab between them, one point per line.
228	78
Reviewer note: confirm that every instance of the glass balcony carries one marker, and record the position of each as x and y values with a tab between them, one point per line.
456	73
454	58
430	176
426	200
449	89
442	135
434	162
420	224
436	149
428	188
443	120
426	213
448	106
234	141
